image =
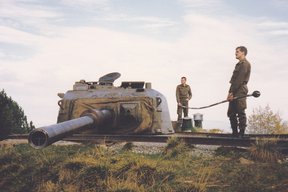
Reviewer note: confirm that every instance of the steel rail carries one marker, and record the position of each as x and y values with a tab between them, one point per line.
230	135
189	139
203	134
25	136
17	136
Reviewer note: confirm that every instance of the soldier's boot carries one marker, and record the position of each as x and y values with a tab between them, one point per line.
241	132
242	123
179	123
234	124
235	132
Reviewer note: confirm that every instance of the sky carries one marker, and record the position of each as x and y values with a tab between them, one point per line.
47	45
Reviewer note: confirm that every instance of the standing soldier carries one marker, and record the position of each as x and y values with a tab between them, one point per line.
183	95
238	88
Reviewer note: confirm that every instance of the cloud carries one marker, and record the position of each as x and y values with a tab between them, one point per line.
87	4
152	20
202	4
281	4
275	28
11	35
151	25
24	10
31	17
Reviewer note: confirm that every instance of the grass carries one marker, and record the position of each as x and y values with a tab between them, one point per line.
265	150
90	168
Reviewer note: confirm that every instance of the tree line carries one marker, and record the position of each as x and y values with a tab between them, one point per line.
12	117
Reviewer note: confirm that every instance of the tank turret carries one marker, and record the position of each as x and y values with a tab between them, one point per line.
102	108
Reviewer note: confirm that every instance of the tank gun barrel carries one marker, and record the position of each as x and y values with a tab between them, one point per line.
44	136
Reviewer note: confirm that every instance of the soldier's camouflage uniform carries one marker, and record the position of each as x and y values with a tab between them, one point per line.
182	94
236	110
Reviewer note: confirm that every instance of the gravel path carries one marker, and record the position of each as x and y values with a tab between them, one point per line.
156	148
136	147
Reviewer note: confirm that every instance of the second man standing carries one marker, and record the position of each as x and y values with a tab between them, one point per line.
183	95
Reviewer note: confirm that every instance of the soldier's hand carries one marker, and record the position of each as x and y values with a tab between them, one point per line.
230	97
179	104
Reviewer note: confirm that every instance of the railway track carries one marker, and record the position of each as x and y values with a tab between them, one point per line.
187	138
280	140
208	135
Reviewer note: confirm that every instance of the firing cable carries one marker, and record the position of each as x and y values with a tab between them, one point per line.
254	94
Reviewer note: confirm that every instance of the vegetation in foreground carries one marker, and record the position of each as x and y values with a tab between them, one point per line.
177	168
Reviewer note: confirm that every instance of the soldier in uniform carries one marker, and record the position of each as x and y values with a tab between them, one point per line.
183	95
239	80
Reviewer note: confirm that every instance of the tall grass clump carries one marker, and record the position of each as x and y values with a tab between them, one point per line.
127	147
203	174
199	179
265	150
175	147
